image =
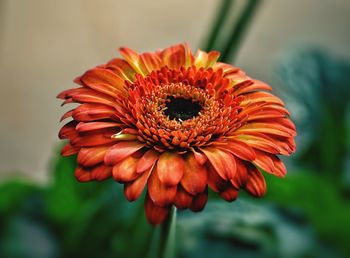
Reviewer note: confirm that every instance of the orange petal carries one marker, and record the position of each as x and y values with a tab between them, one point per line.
151	61
92	156
67	114
230	194
262	142
134	189
105	81
125	170
147	160
256	184
68	131
200	157
155	214
84	127
253	85
183	199
240	150
160	194
222	161
199	201
71	92
102	172
121	68
270	163
134	60
264	161
170	167
241	177
92	139
195	177
91	112
82	174
261	96
215	182
280	168
120	151
205	60
177	56
263	127
69	150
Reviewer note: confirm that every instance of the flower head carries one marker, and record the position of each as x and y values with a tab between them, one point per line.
176	123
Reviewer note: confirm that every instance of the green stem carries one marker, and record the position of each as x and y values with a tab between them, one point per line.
167	236
221	16
238	31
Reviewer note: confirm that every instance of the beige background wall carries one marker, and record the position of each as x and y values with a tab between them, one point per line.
44	44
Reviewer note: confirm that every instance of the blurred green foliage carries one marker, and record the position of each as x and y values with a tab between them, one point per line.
79	220
316	85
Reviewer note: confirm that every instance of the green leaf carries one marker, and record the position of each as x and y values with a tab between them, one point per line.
12	194
318	199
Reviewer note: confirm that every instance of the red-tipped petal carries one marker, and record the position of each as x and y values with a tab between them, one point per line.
161	194
82	174
85	127
195	177
254	85
134	60
230	194
120	151
105	81
205	60
67	114
121	68
91	156
241	177
223	162
264	161
176	56
280	168
134	189
261	96
240	149
256	184
170	167
270	163
125	170
199	201
200	157
183	199
147	160
91	96
215	182
68	131
151	61
102	172
69	150
94	139
92	112
268	128
262	142
155	214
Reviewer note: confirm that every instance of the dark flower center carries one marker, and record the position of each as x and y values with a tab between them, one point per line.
181	108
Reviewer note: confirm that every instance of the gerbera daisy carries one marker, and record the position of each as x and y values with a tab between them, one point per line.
176	123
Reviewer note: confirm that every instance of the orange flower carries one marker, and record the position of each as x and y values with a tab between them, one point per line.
179	124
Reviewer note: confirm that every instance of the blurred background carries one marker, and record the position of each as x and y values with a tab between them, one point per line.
300	47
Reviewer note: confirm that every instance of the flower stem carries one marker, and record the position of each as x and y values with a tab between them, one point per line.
167	236
221	17
239	29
